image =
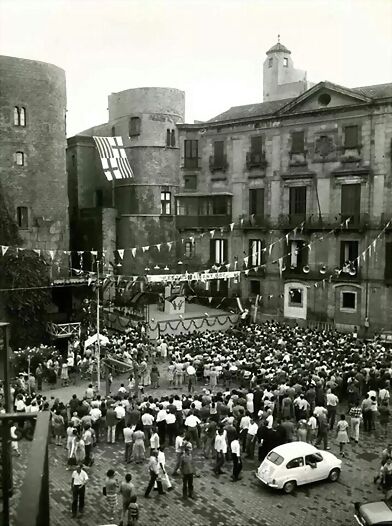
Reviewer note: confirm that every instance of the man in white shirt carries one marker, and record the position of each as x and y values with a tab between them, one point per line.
78	487
244	425
251	439
191	373
148	422
332	403
312	429
191	423
178	447
236	456
221	450
171	427
161	423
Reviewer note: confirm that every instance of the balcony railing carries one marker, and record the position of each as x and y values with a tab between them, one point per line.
355	221
218	164
254	222
63	330
199	221
255	160
191	163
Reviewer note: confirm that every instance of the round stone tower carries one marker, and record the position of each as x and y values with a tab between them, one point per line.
33	176
146	118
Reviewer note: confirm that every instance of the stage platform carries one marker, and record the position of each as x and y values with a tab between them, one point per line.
195	318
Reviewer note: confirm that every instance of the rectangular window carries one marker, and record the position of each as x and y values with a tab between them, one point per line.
256	144
22	213
256	202
165	203
218	153
299	255
388	260
298	142
255	252
19	116
168	137
285	62
270	62
218	251
351	203
348	256
134	126
297	201
19	158
113	131
348	301
295	298
99	198
190	182
172	138
219	205
254	287
351	136
191	153
188	249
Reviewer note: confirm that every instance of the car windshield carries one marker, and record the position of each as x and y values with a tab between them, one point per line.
275	458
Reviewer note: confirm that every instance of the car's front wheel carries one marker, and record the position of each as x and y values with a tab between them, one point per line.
289	487
334	475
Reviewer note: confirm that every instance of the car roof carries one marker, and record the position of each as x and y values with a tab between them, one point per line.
295	448
376	512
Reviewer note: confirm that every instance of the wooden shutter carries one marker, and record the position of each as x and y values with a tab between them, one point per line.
297	142
351	201
225	251
256	144
218	152
351	136
252	201
256	201
388	260
297	203
212	251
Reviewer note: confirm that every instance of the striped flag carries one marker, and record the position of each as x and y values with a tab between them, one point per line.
114	160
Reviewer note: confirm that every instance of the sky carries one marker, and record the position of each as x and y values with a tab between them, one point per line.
211	49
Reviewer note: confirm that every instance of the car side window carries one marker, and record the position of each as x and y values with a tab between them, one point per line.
295	463
313	459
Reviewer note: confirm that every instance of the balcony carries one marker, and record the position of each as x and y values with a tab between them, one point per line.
354	275
298	159
191	163
355	221
292	220
218	164
255	160
254	222
204	222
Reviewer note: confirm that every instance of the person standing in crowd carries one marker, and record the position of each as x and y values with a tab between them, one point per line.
111	423
178	448
236	457
128	441
355	414
332	403
110	492
153	467
342	436
220	451
139	449
78	487
384	414
187	470
323	432
127	490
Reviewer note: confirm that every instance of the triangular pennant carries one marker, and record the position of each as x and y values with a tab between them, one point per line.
120	253
4	250
145	249
241	221
51	254
246	259
246	272
158	246
228	266
209	299
232	226
169	245
37	251
222	229
212	233
280	263
133	252
270	249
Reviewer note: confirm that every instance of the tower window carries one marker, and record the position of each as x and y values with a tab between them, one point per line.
285	62
168	137
173	138
134	126
22	216
165	203
270	62
19	158
113	131
348	301
19	116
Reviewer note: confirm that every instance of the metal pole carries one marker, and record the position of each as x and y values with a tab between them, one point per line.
5	433
28	373
98	339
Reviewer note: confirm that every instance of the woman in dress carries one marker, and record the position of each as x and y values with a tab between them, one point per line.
139	449
58	427
64	374
80	452
111	490
342	435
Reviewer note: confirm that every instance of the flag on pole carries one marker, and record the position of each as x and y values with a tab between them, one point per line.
114	160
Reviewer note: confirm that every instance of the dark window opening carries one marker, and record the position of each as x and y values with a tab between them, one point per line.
113	131
190	182
299	255
254	287
349	256
297	202
256	202
351	203
218	153
349	300
168	137
191	153
134	126
22	214
324	99
99	198
218	251
173	138
270	62
295	463
295	297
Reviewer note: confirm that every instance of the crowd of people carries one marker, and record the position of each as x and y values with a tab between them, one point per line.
231	395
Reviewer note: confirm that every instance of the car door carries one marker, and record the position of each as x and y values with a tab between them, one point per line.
314	467
295	470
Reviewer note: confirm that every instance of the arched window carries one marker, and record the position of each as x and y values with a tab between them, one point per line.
113	131
22	117
168	137
19	158
16	116
173	138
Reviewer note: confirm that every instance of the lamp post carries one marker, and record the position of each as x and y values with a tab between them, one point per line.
98	337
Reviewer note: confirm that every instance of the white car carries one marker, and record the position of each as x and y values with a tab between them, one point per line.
297	463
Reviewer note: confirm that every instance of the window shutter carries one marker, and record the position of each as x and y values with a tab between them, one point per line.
212	251
297	142
218	152
256	144
351	136
225	251
351	201
342	254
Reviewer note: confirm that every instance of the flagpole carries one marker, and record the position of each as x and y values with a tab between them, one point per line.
98	337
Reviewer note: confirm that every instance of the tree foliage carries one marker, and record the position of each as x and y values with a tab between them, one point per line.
24	270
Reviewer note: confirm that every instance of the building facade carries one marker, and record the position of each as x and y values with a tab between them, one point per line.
33	179
135	212
306	179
